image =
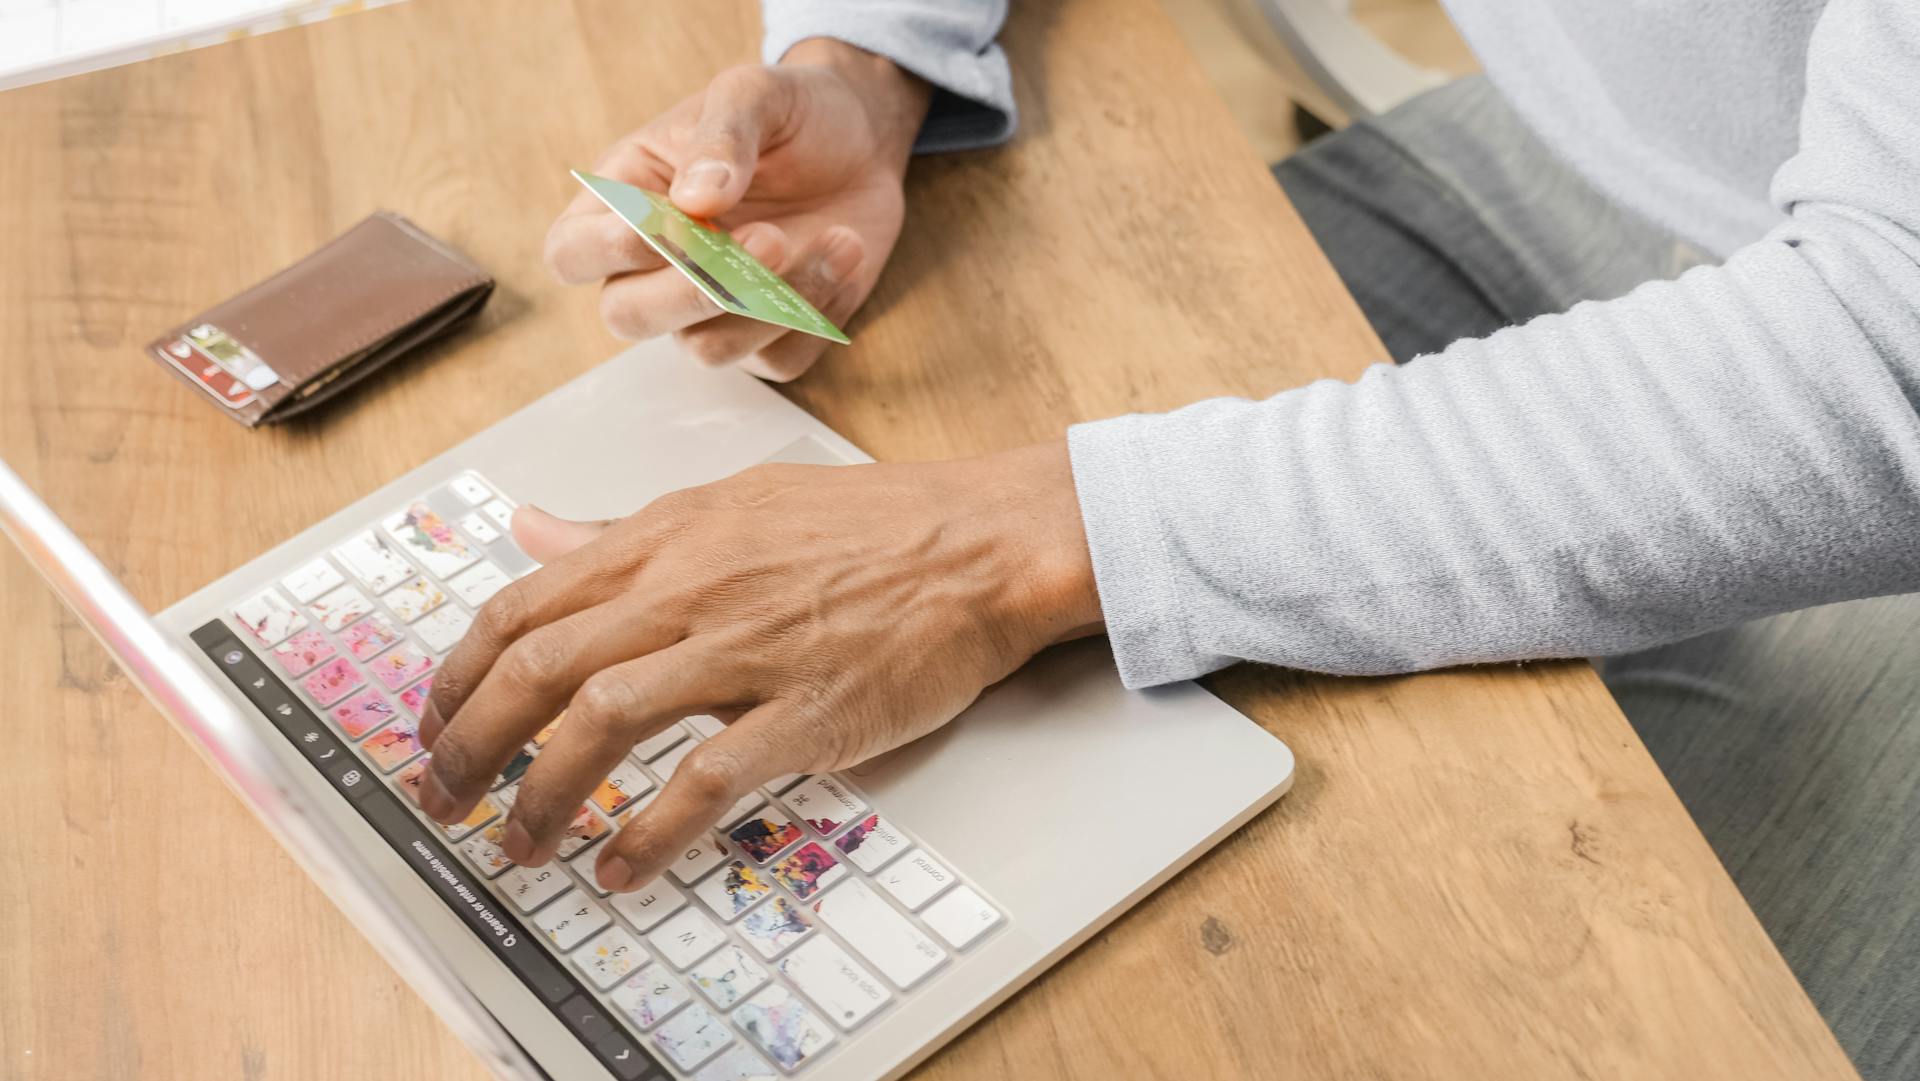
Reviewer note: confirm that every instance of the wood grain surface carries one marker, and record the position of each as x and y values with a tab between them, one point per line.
1479	874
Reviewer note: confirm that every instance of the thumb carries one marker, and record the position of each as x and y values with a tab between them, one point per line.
547	538
742	110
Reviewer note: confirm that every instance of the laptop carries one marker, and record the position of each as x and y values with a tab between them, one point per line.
832	926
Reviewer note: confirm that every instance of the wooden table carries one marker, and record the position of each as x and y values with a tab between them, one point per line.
1479	874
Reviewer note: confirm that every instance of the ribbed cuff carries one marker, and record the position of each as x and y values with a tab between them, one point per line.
1132	568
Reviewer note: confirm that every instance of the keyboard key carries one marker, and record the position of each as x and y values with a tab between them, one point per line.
808	871
484	852
686	937
414	598
571	921
415	697
398	667
704	726
311	580
766	834
268	617
340	607
879	933
362	713
370	637
691	1036
443	629
774	926
829	976
408	780
372	562
871	843
582	833
499	514
545	735
627	1061
332	681
649	904
431	539
648	997
654	746
483	812
783	1026
739	810
514	769
736	1064
471	489
783	782
728	976
698	859
477	584
612	956
393	746
735	889
824	803
301	652
664	765
477	527
960	917
620	788
530	887
915	880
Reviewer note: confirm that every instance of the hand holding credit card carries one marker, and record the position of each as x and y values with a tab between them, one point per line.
712	260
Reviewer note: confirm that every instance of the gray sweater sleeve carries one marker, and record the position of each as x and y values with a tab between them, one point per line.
1739	442
949	43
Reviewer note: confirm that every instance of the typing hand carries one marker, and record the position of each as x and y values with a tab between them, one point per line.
802	161
827	613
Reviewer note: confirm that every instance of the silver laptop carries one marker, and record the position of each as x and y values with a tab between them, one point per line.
832	926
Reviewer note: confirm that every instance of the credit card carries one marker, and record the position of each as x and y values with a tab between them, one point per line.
207	373
712	260
236	359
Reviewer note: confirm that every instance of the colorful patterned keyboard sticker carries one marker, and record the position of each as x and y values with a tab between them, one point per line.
721	964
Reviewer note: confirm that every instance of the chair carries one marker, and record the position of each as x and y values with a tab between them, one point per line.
1318	41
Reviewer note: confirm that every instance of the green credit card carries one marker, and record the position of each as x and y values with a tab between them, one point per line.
711	260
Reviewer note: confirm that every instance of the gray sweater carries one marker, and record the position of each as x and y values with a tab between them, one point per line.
1739	442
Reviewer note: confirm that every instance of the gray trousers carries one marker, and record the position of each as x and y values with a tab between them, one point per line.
1794	741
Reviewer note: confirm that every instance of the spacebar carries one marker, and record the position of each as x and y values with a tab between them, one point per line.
468	901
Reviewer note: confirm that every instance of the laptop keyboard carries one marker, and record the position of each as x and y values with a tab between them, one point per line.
801	917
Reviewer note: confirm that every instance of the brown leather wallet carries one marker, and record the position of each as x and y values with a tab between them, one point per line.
303	336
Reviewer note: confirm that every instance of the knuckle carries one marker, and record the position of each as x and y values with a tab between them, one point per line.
710	349
603	704
708	774
532	662
621	319
786	367
746	81
501	617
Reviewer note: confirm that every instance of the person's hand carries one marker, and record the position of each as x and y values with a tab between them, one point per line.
827	613
802	161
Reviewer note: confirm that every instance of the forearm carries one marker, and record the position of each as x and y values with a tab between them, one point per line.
1695	454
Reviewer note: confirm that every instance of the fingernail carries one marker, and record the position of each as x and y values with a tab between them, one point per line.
615	873
703	176
434	797
517	843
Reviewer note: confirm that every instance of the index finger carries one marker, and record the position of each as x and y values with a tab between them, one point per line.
588	242
568	585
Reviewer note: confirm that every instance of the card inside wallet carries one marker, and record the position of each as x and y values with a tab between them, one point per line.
308	333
